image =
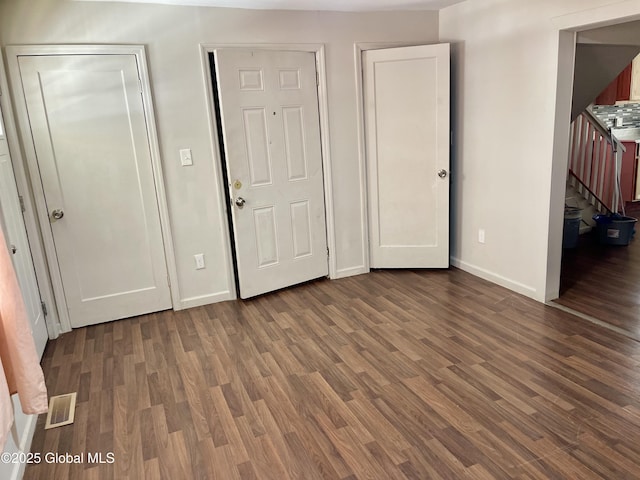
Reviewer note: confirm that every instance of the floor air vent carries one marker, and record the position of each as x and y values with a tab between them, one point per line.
62	409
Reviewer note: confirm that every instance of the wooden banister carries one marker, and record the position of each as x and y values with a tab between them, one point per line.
595	160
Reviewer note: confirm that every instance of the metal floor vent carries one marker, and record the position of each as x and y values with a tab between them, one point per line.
62	409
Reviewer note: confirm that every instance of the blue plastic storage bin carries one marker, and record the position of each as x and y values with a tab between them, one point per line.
571	232
615	229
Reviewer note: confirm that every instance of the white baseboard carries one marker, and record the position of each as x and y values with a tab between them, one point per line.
205	300
351	271
492	277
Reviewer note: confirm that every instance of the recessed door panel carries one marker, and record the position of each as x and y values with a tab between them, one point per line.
251	80
289	79
255	132
301	229
294	142
266	236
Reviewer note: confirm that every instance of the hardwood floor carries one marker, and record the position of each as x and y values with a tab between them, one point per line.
391	375
603	281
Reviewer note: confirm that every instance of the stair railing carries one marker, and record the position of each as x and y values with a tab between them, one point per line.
595	162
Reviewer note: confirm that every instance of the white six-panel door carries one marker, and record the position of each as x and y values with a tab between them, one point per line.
270	121
406	92
89	131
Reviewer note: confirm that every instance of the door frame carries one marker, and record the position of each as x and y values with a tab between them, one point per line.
33	172
12	222
567	27
358	50
323	109
33	229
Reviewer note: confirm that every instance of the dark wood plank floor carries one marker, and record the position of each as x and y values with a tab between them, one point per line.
391	375
603	281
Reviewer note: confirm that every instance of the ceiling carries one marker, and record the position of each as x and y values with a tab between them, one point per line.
331	5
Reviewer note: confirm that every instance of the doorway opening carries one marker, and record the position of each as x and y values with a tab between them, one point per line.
223	164
597	280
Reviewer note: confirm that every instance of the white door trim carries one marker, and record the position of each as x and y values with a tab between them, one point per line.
358	48
13	52
323	107
15	233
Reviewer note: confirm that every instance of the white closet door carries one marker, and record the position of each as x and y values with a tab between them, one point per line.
407	137
90	135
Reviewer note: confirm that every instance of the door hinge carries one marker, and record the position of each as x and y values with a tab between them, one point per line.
22	207
317	79
140	84
327	252
44	308
168	280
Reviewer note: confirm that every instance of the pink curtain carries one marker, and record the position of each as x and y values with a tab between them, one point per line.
21	372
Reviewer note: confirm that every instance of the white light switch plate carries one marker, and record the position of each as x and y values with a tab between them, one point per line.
185	157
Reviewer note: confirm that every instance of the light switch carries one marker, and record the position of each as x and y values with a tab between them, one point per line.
185	157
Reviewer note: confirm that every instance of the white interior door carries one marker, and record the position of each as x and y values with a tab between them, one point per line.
90	136
406	93
15	234
270	121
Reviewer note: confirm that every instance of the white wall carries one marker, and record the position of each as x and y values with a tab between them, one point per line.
172	36
625	34
509	155
596	66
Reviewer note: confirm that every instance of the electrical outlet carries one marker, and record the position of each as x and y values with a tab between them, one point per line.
199	258
185	157
481	235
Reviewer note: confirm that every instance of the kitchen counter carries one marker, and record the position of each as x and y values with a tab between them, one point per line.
627	134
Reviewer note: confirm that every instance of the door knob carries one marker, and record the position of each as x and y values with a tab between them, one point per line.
442	173
14	249
57	214
240	202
